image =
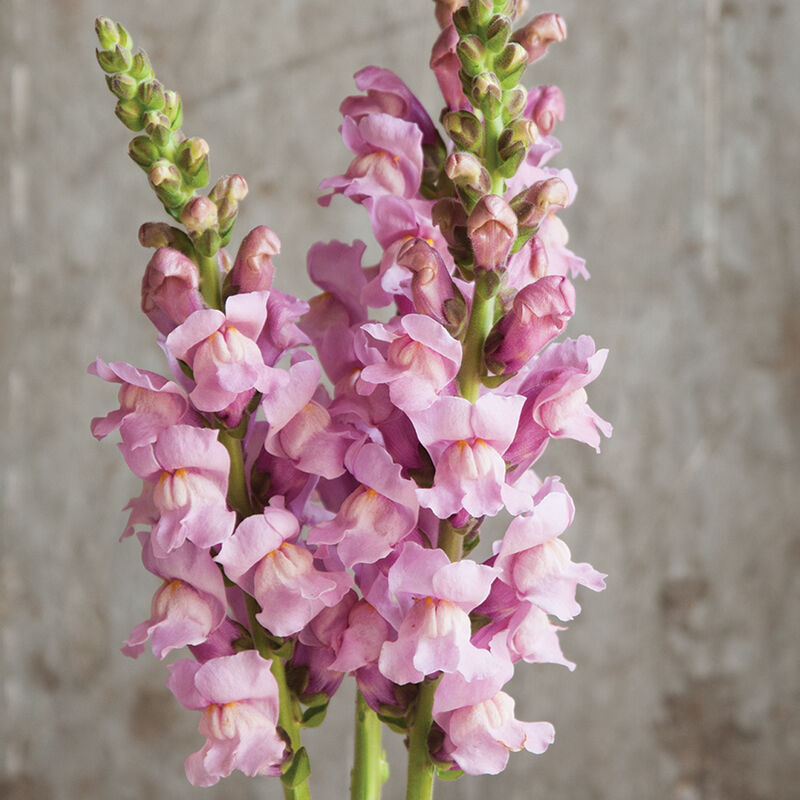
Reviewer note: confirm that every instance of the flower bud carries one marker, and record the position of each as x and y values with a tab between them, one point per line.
545	107
143	151
513	144
533	205
173	110
538	264
109	33
170	289
253	268
498	32
167	183
208	243
151	94
122	85
480	11
444	11
157	127
140	67
198	215
465	129
514	100
510	64
540	312
159	234
227	193
492	229
471	53
192	158
469	175
486	94
431	285
117	60
129	113
449	216
540	33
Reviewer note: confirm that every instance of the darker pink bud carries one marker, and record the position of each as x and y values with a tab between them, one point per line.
170	289
431	286
545	107
539	313
492	229
536	202
253	269
445	65
540	33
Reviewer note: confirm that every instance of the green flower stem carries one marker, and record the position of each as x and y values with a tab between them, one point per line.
368	773
493	128
238	497
288	714
480	323
421	771
451	541
209	280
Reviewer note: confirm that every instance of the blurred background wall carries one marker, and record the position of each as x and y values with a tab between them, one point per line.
682	128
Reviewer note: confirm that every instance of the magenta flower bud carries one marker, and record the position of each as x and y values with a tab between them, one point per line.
545	106
446	65
539	313
431	287
444	11
170	289
536	202
492	229
253	268
540	33
198	215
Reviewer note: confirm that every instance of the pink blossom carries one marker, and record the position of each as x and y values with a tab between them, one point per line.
387	94
377	515
188	607
446	65
467	442
388	159
545	107
191	474
556	401
480	736
265	558
221	350
537	564
435	632
420	361
238	696
253	269
300	427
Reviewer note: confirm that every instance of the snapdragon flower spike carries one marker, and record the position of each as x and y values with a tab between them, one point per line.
480	737
170	289
188	607
381	512
266	559
238	696
467	442
435	632
221	350
536	563
419	363
556	401
190	471
539	312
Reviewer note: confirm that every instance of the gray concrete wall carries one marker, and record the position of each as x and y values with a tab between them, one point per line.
682	130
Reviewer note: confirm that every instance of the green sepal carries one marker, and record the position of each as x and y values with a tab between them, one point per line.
117	60
463	21
173	109
160	234
314	716
523	237
510	164
140	67
158	128
465	129
208	243
498	32
480	11
122	85
448	774
151	94
514	101
472	54
143	151
186	369
298	770
107	32
493	381
394	723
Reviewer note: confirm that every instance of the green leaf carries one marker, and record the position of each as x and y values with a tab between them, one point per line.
449	774
298	771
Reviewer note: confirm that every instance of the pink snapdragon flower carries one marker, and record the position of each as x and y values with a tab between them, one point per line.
481	736
253	269
238	696
268	561
377	515
466	442
437	596
419	363
556	401
536	563
188	607
190	471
